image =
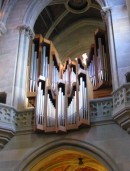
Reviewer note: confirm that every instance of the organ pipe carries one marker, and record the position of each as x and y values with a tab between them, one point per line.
53	112
40	106
83	99
33	70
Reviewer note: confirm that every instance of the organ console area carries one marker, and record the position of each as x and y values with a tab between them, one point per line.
58	91
99	65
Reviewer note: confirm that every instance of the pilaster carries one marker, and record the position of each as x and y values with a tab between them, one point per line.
19	98
106	15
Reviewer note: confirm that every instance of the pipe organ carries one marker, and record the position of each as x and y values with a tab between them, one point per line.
92	66
57	91
33	68
98	62
72	108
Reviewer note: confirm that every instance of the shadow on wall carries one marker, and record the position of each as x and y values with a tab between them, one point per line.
3	96
127	75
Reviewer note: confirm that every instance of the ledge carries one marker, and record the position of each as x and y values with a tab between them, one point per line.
5	136
13	121
22	122
121	106
101	110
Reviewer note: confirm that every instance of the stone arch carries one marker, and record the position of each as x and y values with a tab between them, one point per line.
71	144
35	7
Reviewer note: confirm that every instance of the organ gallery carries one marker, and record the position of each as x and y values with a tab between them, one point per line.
59	90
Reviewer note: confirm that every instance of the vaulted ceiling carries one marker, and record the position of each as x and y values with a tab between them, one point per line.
70	24
60	14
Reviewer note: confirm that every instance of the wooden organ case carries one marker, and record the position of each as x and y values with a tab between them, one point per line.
99	65
57	91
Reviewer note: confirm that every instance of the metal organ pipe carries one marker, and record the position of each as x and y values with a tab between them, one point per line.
91	71
94	74
43	61
72	110
100	71
61	105
65	75
50	112
33	70
73	76
55	75
40	105
82	99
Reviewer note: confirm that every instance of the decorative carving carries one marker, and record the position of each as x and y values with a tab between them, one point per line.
24	119
105	13
128	94
27	30
7	115
101	109
121	103
118	98
10	118
77	7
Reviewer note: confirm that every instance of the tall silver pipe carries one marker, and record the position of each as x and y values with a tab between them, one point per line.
75	106
73	112
83	97
59	106
34	71
62	108
47	109
43	60
85	93
31	68
37	103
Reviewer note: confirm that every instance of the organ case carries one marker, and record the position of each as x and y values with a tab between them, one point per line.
57	91
99	65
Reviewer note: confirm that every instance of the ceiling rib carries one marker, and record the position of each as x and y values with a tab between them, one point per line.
44	21
57	21
50	17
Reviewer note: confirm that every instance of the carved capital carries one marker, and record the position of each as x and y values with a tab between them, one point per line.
2	28
105	13
26	30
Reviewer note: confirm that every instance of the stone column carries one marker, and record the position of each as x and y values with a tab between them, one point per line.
107	17
19	92
128	7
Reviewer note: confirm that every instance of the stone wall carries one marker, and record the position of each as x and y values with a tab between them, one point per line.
105	137
121	27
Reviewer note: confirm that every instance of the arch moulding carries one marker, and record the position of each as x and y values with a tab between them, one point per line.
35	7
66	144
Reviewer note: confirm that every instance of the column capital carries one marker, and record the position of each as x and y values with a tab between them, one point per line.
105	13
26	30
2	28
